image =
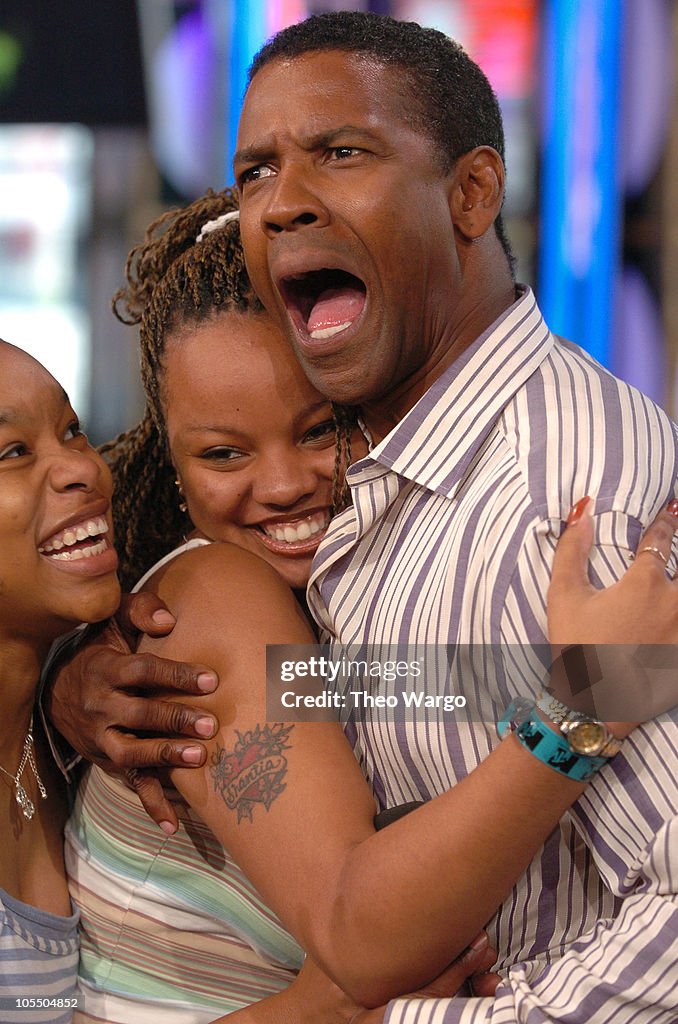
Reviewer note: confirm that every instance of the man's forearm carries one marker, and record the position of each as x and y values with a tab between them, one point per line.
67	759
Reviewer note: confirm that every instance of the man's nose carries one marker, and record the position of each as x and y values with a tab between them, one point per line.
294	202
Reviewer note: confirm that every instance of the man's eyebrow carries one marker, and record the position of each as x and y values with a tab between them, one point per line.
332	136
259	154
251	155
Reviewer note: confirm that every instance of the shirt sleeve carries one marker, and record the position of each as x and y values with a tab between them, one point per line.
625	969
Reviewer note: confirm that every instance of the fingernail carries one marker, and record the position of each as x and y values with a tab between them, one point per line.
207	682
478	948
167	827
191	755
577	511
204	726
673	507
163	617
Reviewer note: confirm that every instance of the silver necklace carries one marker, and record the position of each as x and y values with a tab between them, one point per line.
27	758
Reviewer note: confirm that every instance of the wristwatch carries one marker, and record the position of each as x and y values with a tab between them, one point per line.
585	735
523	720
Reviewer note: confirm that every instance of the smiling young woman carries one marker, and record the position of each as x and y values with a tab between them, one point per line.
251	440
237	457
232	421
57	569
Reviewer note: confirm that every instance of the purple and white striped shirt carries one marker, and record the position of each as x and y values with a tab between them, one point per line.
450	541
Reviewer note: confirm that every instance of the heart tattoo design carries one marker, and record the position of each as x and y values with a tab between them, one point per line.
253	772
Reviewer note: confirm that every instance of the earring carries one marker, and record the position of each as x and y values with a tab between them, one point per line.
183	507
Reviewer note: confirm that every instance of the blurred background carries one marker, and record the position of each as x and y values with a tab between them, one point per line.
110	112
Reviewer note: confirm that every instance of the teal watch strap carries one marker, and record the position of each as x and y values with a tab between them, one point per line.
548	746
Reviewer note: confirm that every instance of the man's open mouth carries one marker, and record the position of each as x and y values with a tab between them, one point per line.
323	302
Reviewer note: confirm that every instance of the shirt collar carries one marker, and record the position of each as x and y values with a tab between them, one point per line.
434	444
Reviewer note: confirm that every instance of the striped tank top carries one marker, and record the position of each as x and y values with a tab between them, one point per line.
171	929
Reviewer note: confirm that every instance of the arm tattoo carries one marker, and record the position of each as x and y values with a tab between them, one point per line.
253	772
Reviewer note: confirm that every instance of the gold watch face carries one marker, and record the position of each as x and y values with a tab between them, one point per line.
586	737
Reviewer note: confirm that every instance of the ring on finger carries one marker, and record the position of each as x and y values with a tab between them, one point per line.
654	551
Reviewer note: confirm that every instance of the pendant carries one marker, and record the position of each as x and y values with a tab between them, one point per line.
20	795
24	801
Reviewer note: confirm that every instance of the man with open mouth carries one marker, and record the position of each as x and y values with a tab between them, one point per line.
371	173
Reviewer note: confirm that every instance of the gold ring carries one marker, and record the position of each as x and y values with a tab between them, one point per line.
655	551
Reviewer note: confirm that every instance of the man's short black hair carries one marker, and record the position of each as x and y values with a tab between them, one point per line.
451	99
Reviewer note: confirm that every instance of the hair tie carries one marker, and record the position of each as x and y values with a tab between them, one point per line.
218	222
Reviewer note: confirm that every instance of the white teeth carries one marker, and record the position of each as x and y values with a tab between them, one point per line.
75	556
329	332
294	534
83	531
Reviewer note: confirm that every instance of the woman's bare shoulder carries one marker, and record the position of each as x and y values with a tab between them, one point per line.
229	605
221	587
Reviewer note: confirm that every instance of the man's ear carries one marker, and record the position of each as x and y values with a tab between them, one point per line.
478	191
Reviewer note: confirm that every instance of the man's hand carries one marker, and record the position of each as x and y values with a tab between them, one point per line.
104	699
472	966
313	999
143	613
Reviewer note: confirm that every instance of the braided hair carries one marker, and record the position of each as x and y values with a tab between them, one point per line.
173	280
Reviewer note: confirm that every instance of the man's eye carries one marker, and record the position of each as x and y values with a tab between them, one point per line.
255	174
14	451
344	152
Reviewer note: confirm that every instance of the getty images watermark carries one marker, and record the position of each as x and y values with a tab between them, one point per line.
475	682
308	682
